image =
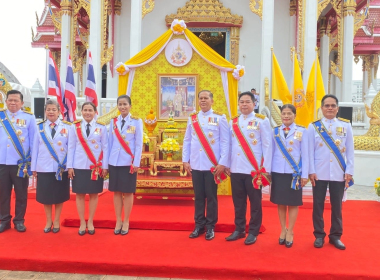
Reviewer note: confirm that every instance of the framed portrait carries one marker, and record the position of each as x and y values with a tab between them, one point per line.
176	96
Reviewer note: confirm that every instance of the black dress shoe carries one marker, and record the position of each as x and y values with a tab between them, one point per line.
20	227
318	243
288	244
4	227
197	232
47	230
81	232
56	230
251	239
338	244
91	231
235	236
210	234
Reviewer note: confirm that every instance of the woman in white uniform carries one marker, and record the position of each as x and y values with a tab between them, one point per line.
87	163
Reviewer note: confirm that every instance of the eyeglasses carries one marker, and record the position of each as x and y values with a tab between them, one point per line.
332	106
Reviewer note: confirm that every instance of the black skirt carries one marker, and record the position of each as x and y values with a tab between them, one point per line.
121	180
281	191
50	190
83	184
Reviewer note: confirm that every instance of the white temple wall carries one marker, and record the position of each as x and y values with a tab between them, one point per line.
124	31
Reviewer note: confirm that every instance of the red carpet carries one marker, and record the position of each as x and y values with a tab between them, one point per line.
172	254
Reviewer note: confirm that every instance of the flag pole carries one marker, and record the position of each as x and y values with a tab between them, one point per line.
294	60
315	83
47	72
270	91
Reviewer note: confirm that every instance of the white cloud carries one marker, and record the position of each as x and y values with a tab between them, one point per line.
16	52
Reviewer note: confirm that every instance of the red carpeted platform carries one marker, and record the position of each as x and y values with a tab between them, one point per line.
170	253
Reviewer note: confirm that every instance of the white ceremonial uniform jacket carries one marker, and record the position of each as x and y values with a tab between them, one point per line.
297	145
42	160
215	128
260	140
322	160
21	121
132	133
97	141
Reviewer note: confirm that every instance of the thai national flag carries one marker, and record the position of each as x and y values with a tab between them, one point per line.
54	82
70	100
90	90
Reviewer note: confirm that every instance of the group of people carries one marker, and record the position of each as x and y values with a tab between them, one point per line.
56	151
247	149
254	156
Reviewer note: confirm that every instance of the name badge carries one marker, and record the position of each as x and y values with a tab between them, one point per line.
21	122
298	135
98	131
253	125
131	129
213	121
341	131
63	132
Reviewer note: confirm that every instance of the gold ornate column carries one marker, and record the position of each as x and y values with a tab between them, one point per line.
301	32
147	7
235	40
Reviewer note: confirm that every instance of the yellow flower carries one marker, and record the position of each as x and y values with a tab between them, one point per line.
378	179
241	72
178	28
120	69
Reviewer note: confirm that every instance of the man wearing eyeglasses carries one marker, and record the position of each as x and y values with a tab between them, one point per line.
331	152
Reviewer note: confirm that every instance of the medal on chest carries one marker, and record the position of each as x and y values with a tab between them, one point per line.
253	125
131	129
98	131
213	121
341	131
20	122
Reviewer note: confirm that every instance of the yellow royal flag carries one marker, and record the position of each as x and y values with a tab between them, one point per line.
280	90
303	116
310	90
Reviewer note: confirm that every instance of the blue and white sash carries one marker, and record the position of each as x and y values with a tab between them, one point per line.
24	162
61	166
296	182
322	131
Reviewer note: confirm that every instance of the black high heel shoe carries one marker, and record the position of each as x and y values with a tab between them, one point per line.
289	244
47	230
281	241
56	230
124	232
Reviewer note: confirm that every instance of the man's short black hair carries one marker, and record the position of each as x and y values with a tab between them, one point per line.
253	89
250	94
330	96
209	93
13	91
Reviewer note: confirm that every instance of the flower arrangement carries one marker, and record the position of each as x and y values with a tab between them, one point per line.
178	26
146	139
121	69
238	72
377	186
169	146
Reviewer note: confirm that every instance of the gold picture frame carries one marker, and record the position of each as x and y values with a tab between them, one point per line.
176	96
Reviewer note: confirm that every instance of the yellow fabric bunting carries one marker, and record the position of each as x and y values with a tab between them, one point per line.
300	102
280	90
311	90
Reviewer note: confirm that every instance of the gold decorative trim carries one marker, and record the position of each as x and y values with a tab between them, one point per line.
266	88
323	26
118	7
205	11
106	52
322	4
259	10
293	8
32	34
301	32
164	184
3	89
337	67
235	42
356	59
147	7
349	8
56	18
37	20
359	18
66	7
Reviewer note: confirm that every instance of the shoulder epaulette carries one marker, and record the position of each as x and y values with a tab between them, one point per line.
301	126
260	116
134	118
66	122
41	122
192	114
77	121
316	120
30	113
234	117
343	120
100	122
217	113
3	109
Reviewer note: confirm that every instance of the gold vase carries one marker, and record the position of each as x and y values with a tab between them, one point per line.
169	156
150	122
